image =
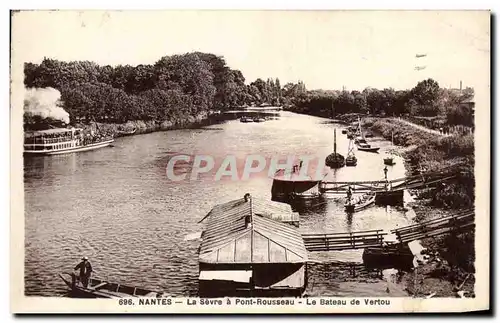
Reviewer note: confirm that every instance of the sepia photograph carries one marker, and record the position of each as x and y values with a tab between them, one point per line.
250	161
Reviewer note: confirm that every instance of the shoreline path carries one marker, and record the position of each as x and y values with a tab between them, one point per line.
434	132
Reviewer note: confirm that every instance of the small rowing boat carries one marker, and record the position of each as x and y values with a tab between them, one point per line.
389	160
360	204
126	132
362	144
367	147
98	288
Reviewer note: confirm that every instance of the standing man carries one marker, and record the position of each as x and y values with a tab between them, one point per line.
85	271
385	172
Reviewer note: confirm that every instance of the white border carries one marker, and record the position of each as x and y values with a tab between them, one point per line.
197	4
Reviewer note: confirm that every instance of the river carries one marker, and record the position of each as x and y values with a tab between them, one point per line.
117	206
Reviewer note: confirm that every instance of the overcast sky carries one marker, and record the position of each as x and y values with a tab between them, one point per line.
325	49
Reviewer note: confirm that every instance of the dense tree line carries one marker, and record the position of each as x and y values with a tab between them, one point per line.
426	99
174	87
182	85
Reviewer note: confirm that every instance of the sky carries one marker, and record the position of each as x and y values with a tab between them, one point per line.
324	49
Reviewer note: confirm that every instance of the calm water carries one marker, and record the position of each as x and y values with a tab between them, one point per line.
117	206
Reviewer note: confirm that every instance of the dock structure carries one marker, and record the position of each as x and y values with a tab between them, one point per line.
248	252
398	184
343	240
456	223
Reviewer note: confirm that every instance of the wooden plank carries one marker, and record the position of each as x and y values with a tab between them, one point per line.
338	233
416	236
333	236
465	213
438	232
419	225
342	242
445	228
336	241
312	249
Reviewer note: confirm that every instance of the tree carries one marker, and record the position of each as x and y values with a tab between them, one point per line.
426	92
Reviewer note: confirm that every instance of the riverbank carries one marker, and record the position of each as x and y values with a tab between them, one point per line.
142	127
433	152
448	267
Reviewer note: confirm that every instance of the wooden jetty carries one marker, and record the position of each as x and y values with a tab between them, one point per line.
402	183
459	222
245	252
389	192
343	240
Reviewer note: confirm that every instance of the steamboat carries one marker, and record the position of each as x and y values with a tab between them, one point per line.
63	140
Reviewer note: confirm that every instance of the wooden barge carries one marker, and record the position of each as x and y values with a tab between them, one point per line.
291	186
248	250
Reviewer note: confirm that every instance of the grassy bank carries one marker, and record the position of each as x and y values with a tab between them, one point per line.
430	152
450	265
141	127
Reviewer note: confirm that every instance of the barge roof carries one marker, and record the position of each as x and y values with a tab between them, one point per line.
248	231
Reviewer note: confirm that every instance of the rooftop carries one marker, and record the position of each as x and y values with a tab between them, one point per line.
250	231
52	131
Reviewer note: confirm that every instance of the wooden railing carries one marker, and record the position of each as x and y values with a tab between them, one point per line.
343	241
459	222
402	183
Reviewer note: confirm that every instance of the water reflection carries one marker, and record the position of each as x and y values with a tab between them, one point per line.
117	206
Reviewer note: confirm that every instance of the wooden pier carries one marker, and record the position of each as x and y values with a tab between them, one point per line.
343	241
398	184
459	222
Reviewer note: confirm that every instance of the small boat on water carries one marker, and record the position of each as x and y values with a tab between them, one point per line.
98	288
126	132
388	256
335	160
362	144
367	148
389	159
63	140
288	186
351	159
246	119
369	135
359	204
258	119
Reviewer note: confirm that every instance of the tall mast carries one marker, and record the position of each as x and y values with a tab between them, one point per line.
335	140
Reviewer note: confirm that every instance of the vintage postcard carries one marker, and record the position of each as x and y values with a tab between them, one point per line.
250	161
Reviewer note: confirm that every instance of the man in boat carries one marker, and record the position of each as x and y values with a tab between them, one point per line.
85	271
349	194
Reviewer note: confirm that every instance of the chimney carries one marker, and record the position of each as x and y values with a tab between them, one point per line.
248	218
460	85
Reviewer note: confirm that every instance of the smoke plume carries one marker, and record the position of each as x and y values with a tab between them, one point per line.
44	102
